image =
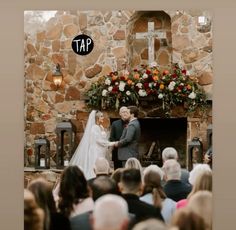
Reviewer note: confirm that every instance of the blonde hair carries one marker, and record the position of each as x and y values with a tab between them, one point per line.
203	182
201	203
98	114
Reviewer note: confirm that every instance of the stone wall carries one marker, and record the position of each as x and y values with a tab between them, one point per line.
189	45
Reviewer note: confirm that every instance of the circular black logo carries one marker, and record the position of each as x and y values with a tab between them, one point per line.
82	44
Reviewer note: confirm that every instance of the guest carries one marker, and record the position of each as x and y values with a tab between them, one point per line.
186	219
128	143
42	191
116	175
116	132
134	163
131	188
153	193
74	195
110	213
171	153
174	187
33	215
150	224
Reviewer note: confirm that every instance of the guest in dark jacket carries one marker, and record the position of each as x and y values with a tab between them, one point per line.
174	188
131	188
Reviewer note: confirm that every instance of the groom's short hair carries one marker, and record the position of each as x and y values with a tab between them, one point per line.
133	110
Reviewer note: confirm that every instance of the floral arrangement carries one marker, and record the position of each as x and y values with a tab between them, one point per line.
167	89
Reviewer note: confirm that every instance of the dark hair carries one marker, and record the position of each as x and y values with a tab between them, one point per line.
133	110
131	178
73	187
152	184
116	175
103	185
42	191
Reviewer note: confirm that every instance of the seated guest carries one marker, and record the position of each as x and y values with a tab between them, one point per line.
185	219
174	188
153	193
201	204
134	163
131	188
42	191
110	213
101	168
150	224
33	215
116	175
171	153
100	186
74	196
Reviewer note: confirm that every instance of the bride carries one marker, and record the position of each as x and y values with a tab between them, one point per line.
93	144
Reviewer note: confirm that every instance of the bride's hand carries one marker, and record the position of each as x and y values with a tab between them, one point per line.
111	143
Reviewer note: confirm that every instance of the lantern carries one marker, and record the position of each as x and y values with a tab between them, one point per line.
42	153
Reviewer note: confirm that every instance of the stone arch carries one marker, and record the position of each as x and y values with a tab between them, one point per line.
137	49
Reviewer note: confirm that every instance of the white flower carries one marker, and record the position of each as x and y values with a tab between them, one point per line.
117	83
160	96
128	93
150	84
171	85
139	85
107	81
104	92
153	64
192	95
110	88
122	86
145	76
142	93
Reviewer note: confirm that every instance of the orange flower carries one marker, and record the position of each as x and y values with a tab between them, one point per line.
129	82
189	87
155	78
114	77
136	76
126	77
165	72
155	71
161	86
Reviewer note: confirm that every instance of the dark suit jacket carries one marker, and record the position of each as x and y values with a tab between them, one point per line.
81	221
177	190
140	209
117	128
128	143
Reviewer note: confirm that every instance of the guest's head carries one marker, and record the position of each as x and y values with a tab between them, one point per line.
131	182
202	182
150	224
103	185
33	215
172	170
116	175
154	168
201	203
42	191
133	110
169	153
110	213
73	187
197	170
133	163
101	166
185	219
99	117
124	113
152	184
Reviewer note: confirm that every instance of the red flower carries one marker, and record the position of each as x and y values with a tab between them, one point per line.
115	89
146	85
184	71
122	78
174	75
148	71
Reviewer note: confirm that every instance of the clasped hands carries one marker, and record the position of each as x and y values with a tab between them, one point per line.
113	144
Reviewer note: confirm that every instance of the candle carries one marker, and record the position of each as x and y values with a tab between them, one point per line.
42	162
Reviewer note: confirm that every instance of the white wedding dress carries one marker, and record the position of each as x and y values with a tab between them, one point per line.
93	144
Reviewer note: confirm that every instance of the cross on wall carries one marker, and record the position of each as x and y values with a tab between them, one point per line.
151	35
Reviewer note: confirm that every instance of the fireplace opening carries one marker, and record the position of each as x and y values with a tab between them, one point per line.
159	133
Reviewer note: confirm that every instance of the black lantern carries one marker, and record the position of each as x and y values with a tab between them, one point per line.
57	76
195	152
65	141
42	153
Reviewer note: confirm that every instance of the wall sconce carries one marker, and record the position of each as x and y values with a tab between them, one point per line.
204	24
57	76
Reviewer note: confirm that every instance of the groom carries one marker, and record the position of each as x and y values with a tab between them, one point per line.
128	143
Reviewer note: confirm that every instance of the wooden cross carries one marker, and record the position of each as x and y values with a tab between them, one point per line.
151	35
